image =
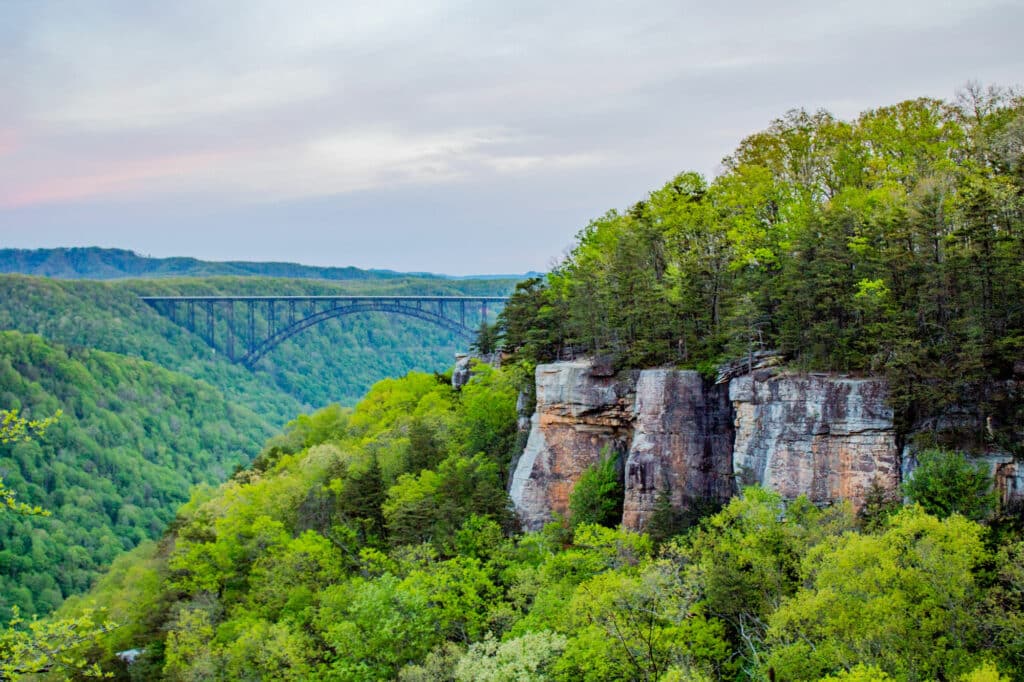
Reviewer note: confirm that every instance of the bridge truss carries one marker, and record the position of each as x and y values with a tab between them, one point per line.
246	328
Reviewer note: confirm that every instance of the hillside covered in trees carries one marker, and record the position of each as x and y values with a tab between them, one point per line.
337	361
149	410
131	441
892	243
379	545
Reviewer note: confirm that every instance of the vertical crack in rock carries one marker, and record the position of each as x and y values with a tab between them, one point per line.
682	442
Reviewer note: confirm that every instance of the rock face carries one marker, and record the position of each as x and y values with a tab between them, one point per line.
682	442
462	371
1009	481
1006	472
578	416
822	436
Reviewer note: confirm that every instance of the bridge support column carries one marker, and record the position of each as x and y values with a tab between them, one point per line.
231	330
251	346
209	324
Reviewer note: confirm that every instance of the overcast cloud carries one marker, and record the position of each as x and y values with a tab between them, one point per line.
452	137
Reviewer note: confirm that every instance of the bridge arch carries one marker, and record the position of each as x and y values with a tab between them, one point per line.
274	340
260	328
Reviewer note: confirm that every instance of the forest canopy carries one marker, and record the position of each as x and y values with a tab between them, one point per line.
892	243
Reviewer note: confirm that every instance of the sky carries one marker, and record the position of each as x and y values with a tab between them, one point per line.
457	137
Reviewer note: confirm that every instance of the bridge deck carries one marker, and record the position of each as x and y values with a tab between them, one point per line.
496	299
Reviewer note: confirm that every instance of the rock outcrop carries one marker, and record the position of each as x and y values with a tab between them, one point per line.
822	436
1006	472
578	416
682	442
462	371
1009	481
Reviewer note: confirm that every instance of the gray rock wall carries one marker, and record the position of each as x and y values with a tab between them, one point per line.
824	436
682	442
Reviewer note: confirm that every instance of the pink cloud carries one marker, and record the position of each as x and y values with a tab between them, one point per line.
121	178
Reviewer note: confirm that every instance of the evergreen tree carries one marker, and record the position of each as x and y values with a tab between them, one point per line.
665	521
598	494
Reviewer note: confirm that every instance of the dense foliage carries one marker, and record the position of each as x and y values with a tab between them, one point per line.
131	440
377	545
111	318
893	242
136	437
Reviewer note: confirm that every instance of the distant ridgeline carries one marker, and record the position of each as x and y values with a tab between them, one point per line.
94	262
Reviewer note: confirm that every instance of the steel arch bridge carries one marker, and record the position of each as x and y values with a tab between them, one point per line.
261	323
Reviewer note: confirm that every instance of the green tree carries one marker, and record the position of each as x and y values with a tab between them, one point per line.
598	494
945	483
666	521
527	658
42	646
486	341
905	600
33	647
746	560
14	428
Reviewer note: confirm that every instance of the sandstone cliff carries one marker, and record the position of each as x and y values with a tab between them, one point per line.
682	442
824	436
578	415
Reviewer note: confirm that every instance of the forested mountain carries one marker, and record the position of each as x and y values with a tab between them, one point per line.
336	362
379	544
131	441
893	243
99	263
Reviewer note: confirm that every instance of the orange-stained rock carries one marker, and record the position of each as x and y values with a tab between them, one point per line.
578	416
823	436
